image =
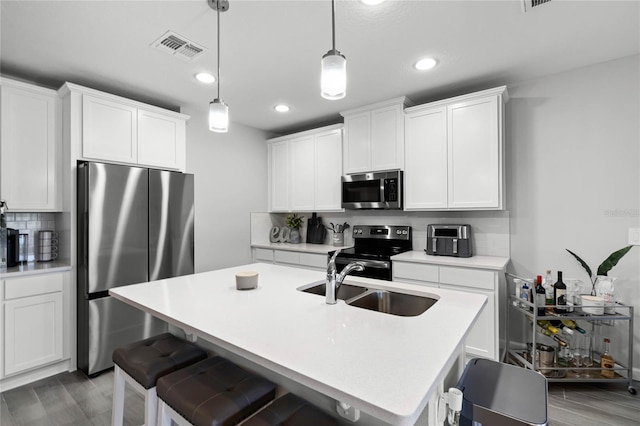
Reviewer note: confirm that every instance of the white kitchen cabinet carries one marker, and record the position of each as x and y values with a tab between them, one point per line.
374	137
110	128
305	171
30	148
454	157
33	322
484	337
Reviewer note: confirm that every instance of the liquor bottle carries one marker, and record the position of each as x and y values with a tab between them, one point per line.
574	325
524	294
606	361
548	288
560	295
540	298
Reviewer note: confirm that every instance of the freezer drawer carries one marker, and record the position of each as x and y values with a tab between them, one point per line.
112	324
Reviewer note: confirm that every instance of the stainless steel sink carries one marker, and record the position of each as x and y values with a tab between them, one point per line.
389	302
345	292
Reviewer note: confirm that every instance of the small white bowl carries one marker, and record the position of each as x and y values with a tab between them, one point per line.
246	280
593	305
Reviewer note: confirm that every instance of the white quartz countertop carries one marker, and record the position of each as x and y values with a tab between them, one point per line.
302	247
481	262
387	366
32	268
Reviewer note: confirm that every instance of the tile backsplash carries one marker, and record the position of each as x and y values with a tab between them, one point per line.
30	223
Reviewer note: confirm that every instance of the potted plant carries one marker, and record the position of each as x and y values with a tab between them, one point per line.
604	267
294	222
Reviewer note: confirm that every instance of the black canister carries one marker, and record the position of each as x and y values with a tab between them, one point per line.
13	247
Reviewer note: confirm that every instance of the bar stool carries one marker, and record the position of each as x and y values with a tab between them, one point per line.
211	392
142	363
291	410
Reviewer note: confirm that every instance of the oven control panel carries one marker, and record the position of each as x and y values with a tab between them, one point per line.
382	232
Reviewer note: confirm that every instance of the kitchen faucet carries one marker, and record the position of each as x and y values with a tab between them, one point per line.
335	281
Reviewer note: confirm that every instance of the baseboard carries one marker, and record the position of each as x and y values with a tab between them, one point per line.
31	376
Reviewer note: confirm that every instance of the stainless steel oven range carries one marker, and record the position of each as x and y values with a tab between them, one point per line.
374	246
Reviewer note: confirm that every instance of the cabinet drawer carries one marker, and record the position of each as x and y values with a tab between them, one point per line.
287	257
467	277
415	271
313	260
32	285
264	254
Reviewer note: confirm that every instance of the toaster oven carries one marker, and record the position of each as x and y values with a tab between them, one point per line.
449	240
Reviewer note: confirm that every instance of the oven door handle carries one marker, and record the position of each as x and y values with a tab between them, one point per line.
379	264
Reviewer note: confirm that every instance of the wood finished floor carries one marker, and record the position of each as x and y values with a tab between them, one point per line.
74	399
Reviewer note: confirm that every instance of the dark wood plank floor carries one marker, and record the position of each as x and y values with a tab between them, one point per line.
74	399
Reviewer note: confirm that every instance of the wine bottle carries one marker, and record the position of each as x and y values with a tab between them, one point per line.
560	326
606	361
546	325
548	288
540	299
546	332
560	295
574	325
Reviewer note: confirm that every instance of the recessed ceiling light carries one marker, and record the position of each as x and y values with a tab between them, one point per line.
282	108
425	64
371	2
205	77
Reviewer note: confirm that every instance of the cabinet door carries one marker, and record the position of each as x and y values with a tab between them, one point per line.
109	130
475	154
302	176
425	161
33	332
161	140
357	146
279	176
329	171
29	150
483	338
387	139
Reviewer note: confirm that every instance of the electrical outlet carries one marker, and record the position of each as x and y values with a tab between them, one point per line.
634	236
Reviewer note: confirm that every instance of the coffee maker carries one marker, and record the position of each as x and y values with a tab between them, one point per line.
13	247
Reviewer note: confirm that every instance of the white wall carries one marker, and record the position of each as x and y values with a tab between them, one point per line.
230	182
573	155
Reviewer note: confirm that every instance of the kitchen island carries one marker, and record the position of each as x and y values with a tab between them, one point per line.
388	367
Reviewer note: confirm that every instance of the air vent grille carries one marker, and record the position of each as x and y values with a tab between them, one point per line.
177	45
530	4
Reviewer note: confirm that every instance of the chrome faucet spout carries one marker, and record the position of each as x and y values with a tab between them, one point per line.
334	280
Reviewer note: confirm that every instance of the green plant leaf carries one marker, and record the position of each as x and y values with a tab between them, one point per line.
583	263
612	260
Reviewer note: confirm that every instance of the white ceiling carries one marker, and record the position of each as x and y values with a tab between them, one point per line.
271	50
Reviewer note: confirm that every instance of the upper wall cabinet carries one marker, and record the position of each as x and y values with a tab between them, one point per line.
454	157
120	130
30	149
374	137
305	171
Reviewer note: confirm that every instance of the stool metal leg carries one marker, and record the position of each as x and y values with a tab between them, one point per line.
117	412
150	407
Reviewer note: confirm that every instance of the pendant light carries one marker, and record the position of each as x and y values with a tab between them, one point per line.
218	110
333	81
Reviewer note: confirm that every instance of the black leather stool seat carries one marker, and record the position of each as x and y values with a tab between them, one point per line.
215	392
147	360
290	410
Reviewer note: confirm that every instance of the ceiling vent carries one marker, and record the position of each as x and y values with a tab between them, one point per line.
527	5
177	45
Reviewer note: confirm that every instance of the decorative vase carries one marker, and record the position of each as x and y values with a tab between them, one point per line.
294	236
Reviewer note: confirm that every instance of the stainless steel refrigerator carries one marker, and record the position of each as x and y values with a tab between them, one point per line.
134	225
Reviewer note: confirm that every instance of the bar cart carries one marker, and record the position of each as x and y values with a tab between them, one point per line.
528	352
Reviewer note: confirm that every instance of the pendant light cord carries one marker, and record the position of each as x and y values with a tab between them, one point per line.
333	24
218	14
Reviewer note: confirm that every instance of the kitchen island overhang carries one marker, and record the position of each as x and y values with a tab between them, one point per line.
346	353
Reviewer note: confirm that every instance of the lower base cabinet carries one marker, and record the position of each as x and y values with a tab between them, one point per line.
33	320
313	261
484	338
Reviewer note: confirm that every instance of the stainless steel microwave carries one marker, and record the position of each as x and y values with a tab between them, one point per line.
375	190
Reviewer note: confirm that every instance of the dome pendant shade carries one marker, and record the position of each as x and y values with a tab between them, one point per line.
333	82
218	116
